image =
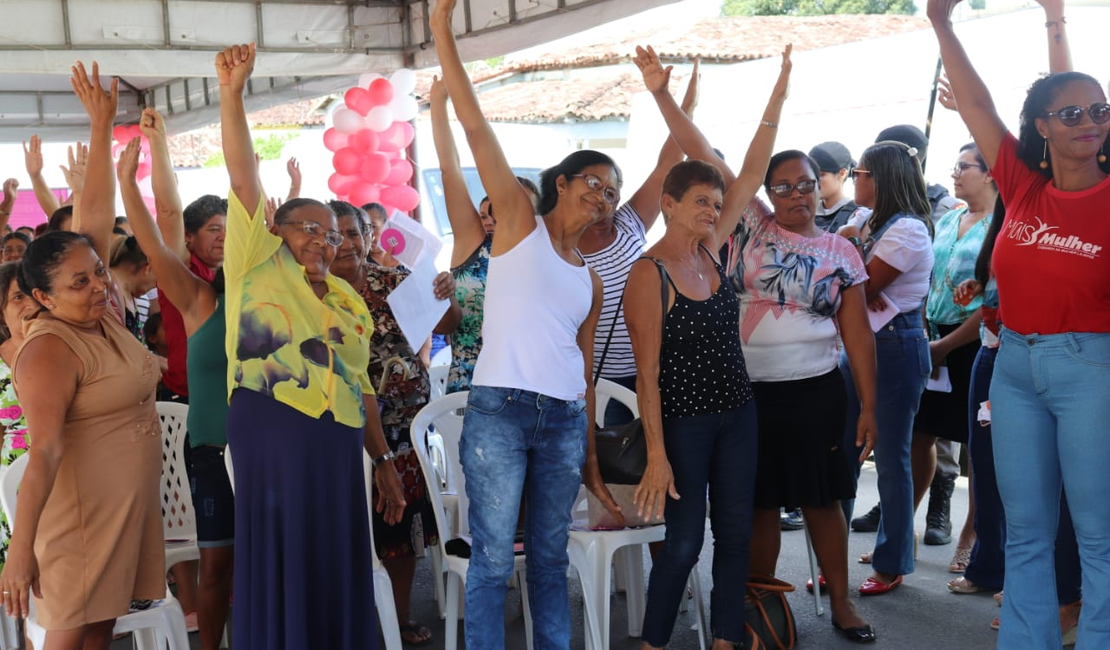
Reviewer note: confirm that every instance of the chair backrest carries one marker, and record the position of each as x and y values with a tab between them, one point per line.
607	390
438	377
230	468
9	486
178	519
368	481
446	415
442	358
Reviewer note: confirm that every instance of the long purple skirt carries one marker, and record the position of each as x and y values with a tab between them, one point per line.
303	572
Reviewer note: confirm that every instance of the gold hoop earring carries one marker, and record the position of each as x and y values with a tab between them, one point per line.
1044	156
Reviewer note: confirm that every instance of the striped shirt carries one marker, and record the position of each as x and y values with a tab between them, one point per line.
613	264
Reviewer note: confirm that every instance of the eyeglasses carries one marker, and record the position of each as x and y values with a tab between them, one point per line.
959	168
857	172
1073	115
786	189
313	229
611	195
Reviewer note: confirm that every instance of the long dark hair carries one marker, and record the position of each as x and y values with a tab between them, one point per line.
43	256
983	262
9	272
899	183
572	164
1042	93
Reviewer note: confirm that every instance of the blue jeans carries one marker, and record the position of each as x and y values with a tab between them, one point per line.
987	567
1048	400
718	451
902	353
515	444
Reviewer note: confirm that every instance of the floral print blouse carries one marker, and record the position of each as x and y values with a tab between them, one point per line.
466	342
16	442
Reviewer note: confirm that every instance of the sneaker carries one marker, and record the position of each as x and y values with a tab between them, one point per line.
792	520
869	522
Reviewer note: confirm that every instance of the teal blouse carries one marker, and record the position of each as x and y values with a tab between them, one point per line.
953	262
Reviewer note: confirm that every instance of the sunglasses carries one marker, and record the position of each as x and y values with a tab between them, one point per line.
959	168
786	189
1073	115
857	172
313	229
611	195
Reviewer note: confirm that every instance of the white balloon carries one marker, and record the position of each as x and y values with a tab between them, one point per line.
404	108
378	119
347	121
367	77
404	81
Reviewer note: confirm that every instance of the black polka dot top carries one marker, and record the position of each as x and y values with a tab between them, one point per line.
701	364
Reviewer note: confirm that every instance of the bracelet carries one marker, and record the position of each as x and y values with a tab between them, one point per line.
768	124
389	455
855	241
1062	21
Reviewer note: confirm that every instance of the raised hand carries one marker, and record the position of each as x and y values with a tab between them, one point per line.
437	95
78	163
441	13
10	187
940	11
693	89
945	96
782	86
656	77
272	205
128	162
234	66
101	106
1052	8
152	125
32	157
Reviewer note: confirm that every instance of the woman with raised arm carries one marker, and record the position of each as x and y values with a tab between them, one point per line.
202	309
1047	393
528	429
692	386
297	348
88	502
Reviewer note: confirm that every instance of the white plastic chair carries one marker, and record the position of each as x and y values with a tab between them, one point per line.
438	377
179	522
442	358
814	573
446	414
156	628
383	586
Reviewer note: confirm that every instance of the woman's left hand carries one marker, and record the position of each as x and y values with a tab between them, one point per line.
938	352
444	286
391	497
866	432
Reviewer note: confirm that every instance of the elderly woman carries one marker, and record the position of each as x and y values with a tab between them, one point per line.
1047	393
302	408
692	387
894	236
800	283
403	389
13	245
527	432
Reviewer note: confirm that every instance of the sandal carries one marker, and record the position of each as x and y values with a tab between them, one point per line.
960	559
866	558
413	633
962	585
998	598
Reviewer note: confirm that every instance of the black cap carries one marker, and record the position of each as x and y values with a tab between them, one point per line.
832	157
909	135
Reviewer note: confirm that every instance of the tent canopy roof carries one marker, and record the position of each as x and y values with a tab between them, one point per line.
163	52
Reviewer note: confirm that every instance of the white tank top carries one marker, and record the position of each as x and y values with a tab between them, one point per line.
535	303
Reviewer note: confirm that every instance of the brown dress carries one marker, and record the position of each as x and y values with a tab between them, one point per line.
99	543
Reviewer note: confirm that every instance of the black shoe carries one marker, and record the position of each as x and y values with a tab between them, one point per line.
864	634
938	521
869	522
792	520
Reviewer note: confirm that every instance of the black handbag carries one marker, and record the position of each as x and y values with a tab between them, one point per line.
622	450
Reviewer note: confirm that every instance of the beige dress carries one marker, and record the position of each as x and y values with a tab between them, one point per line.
99	543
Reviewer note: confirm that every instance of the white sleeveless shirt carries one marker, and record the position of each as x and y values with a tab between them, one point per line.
535	303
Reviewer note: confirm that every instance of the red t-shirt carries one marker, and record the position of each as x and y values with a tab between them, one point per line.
1052	257
175	378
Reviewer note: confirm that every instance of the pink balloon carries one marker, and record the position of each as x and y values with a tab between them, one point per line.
407	133
375	168
334	140
400	171
405	197
381	91
365	141
358	100
346	161
363	193
119	133
117	148
340	184
391	138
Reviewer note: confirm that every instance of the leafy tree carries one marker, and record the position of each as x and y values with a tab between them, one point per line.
815	7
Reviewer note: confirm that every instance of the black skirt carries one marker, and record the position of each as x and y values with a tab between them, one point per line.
802	461
944	415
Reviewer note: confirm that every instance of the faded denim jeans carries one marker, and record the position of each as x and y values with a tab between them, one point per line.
515	444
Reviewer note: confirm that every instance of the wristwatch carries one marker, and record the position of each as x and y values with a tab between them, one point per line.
855	241
389	455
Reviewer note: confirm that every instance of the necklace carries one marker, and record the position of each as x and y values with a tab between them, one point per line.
693	270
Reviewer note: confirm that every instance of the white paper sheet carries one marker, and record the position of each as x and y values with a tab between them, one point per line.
882	317
984	413
414	303
942	383
408	241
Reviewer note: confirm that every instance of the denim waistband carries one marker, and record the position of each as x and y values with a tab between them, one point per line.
1064	339
907	320
526	396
